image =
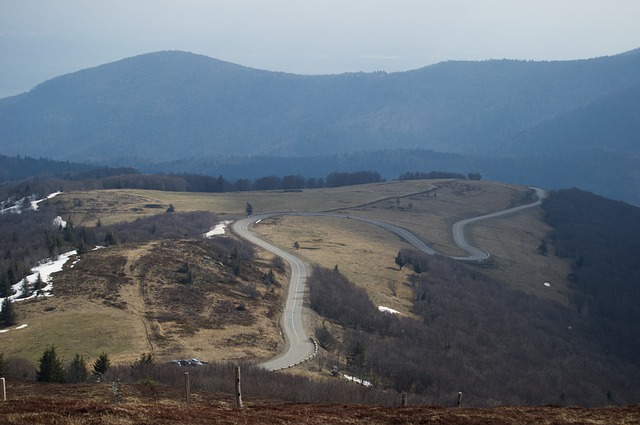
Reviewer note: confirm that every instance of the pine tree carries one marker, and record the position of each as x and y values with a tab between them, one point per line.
102	364
8	314
77	370
26	288
38	284
51	369
5	285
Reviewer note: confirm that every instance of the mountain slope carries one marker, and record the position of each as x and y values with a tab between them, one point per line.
170	105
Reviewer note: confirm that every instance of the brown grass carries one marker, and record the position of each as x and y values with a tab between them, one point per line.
111	206
49	404
125	300
108	294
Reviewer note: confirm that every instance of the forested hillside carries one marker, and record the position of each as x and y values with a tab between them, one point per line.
16	168
497	345
518	121
602	238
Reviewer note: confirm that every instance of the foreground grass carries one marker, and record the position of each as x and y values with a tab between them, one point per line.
140	404
80	327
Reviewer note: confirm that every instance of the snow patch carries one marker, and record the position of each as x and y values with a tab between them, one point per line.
388	310
357	380
45	269
18	206
218	230
21	327
59	222
547	284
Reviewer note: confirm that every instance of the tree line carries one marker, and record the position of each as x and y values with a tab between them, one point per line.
420	175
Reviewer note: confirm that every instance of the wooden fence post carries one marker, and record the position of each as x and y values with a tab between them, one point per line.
403	400
238	391
4	389
187	388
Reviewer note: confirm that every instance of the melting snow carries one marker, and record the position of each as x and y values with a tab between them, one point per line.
218	230
18	205
59	222
358	380
45	269
34	204
547	284
21	327
388	310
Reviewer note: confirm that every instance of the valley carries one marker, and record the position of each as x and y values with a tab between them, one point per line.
183	297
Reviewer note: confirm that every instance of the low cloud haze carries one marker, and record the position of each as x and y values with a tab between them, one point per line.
40	40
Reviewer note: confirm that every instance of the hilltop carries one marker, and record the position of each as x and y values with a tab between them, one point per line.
510	120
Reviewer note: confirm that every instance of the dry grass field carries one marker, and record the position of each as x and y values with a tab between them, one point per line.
123	300
365	253
110	206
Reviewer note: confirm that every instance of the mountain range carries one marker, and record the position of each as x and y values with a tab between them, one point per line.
557	124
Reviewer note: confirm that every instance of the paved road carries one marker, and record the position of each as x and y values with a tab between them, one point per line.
476	254
298	345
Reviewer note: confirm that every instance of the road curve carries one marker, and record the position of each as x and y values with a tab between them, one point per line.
298	346
476	254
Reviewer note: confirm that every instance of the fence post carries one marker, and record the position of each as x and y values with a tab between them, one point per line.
403	400
459	398
238	391
4	389
187	388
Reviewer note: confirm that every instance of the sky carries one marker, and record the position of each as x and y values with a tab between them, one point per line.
41	39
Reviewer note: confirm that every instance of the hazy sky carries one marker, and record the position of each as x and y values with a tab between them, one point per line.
40	39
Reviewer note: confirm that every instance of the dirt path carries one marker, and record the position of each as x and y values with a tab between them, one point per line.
134	293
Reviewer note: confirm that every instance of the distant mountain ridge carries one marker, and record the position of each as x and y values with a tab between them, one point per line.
172	106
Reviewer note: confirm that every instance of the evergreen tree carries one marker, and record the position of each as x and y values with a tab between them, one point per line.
38	284
110	238
142	368
51	369
5	285
249	209
8	314
26	288
77	370
417	268
102	364
399	260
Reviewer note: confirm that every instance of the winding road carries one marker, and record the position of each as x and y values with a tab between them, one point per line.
298	346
